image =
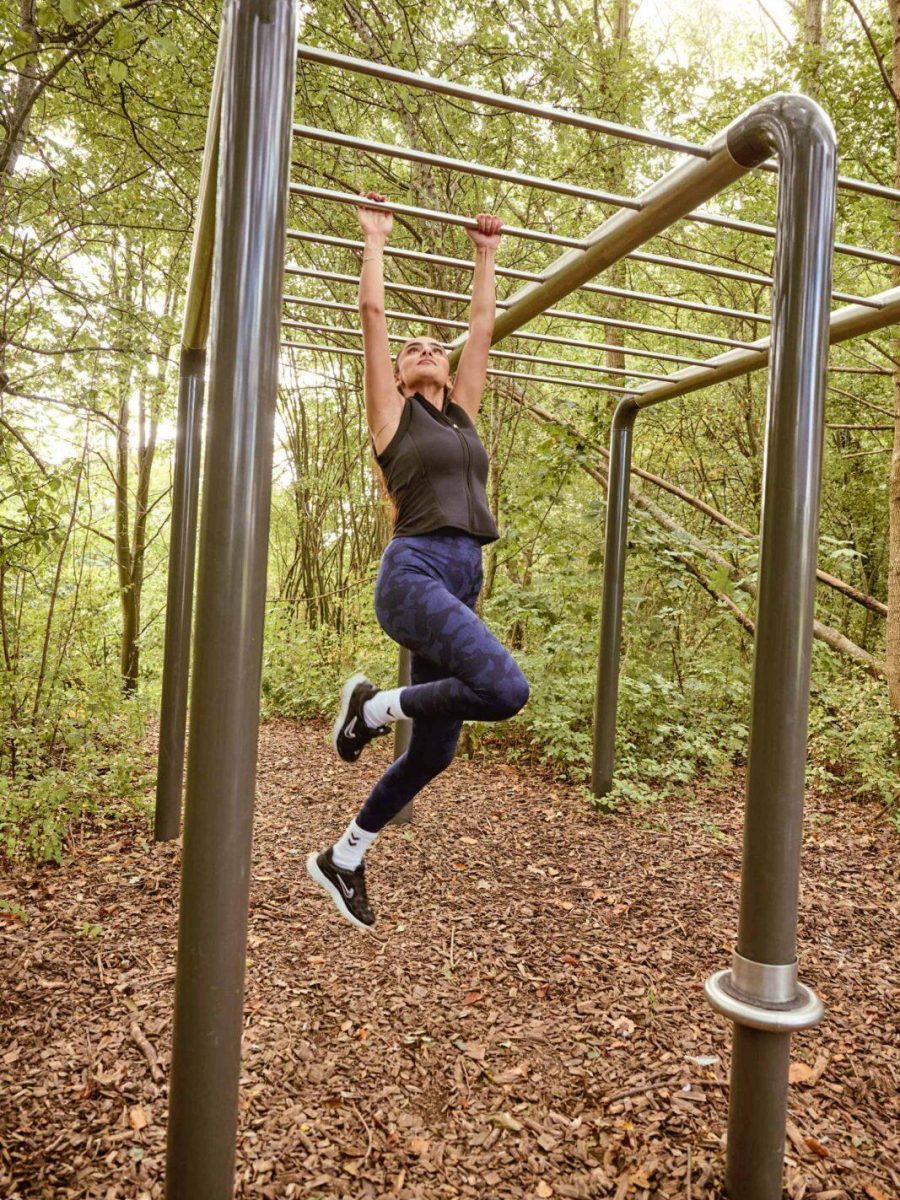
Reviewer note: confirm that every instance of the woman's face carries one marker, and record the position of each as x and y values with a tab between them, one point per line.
422	360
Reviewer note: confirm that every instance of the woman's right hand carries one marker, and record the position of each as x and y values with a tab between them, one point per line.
375	222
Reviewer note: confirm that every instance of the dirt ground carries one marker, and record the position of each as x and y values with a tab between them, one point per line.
526	1021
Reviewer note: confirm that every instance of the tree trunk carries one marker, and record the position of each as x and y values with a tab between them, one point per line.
812	48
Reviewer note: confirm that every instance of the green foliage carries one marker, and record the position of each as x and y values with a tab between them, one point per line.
97	764
11	909
98	209
852	740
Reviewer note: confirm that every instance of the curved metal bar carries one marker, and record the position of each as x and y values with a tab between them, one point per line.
797	130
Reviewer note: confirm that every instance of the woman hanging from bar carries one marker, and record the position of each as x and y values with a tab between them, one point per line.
435	467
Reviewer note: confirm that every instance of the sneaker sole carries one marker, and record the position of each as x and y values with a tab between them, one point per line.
346	693
325	883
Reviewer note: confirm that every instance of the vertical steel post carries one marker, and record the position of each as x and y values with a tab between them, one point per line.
761	992
607	694
180	595
403	730
257	103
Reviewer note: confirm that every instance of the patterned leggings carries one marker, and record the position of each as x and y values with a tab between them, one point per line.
424	599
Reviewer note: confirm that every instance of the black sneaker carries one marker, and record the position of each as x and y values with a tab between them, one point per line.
350	733
346	888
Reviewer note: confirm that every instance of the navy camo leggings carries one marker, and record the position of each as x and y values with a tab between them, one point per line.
424	599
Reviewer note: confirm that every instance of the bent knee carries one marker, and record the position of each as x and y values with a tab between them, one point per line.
513	696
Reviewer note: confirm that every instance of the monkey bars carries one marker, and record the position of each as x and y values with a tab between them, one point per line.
236	274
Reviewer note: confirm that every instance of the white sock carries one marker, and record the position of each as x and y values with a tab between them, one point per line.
383	708
348	852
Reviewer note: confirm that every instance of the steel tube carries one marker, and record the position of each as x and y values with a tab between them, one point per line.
428	214
551	185
318	348
390	150
552	239
801	135
852	321
844	324
185	485
257	101
444	87
179	596
195	326
798	130
546	112
466	264
616	542
549	338
516	357
588	318
647	298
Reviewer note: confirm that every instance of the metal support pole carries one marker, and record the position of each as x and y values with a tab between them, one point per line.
761	992
195	331
606	697
180	594
764	972
257	103
403	730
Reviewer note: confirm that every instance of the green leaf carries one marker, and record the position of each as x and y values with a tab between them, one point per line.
117	71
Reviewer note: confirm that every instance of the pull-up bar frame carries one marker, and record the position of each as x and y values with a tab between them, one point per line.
760	993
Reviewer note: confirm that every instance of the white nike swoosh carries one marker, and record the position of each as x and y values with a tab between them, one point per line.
343	888
351	726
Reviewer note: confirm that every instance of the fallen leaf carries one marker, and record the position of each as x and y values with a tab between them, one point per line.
505	1121
799	1073
544	1189
137	1118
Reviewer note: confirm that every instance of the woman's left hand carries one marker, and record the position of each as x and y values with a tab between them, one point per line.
487	233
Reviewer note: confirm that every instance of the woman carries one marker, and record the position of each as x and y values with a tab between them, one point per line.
435	468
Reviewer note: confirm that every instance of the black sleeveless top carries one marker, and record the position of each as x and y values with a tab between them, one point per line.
436	468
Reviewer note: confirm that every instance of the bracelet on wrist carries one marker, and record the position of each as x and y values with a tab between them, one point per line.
373	258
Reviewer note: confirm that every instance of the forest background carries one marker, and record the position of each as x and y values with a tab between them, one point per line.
103	123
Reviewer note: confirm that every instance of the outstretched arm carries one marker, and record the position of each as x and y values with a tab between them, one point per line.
471	374
383	400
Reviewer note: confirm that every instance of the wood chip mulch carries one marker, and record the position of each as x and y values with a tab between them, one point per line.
527	1020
